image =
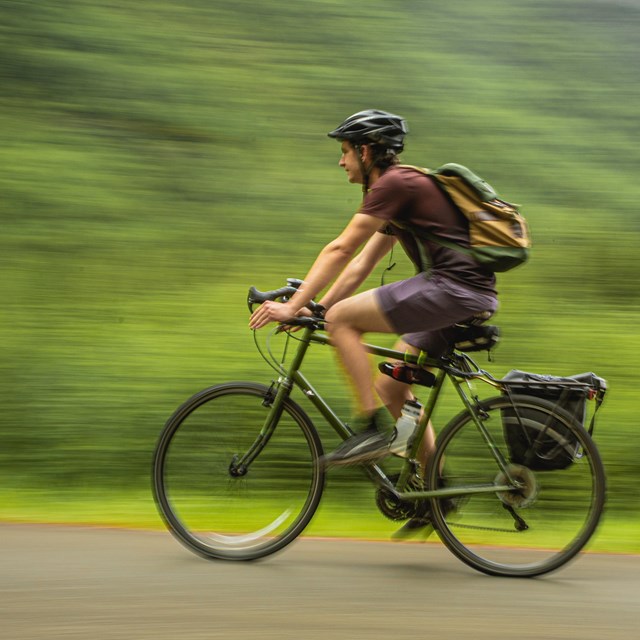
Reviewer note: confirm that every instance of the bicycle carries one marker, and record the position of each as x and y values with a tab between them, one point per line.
236	471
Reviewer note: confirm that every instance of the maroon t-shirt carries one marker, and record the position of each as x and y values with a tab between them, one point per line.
408	197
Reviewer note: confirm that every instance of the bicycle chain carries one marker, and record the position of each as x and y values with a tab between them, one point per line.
479	528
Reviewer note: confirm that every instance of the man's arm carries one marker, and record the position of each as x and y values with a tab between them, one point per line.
358	269
329	263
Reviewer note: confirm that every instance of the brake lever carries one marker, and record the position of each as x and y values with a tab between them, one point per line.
301	322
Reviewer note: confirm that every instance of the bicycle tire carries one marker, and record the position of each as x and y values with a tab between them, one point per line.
229	516
561	508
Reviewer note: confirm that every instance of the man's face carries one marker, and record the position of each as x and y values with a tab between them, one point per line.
349	161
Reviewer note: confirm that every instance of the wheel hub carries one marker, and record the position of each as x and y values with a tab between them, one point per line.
524	494
237	470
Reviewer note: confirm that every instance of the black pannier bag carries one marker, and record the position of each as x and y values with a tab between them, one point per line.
537	440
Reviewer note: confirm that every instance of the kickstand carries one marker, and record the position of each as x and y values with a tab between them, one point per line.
520	524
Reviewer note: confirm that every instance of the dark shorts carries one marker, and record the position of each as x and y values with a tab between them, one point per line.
423	309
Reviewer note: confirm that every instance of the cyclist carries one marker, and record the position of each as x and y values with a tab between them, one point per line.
421	309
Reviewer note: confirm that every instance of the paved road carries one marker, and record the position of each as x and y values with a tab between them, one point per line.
62	582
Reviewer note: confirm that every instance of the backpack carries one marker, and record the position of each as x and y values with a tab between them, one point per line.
548	446
498	234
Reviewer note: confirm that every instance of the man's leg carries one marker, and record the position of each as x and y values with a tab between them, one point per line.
394	394
347	321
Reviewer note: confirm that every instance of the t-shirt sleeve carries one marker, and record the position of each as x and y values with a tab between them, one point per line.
386	198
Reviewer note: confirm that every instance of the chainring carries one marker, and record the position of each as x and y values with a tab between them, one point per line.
394	508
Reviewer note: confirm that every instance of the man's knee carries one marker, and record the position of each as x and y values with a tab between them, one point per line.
339	318
332	317
359	313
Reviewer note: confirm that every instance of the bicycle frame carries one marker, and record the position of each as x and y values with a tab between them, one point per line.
242	428
293	377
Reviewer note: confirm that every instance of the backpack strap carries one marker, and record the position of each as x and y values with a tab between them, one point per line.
425	263
422	234
452	170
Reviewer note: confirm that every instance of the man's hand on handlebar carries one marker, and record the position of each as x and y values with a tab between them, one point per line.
292	328
271	311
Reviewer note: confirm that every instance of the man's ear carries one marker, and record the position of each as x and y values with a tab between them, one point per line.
365	152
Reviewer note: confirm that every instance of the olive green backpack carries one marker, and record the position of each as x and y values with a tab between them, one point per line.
498	234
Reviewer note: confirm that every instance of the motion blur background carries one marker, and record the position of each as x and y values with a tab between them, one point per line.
160	157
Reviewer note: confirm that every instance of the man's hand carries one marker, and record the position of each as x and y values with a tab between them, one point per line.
273	312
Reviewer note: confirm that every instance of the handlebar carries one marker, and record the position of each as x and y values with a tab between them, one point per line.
258	297
283	294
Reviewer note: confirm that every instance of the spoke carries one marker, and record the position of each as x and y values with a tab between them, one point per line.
554	512
223	489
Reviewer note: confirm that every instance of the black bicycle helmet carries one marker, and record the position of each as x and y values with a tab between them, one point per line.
373	127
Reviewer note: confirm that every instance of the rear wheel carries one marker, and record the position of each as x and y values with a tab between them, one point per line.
219	508
543	518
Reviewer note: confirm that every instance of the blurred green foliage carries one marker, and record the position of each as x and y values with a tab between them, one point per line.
158	158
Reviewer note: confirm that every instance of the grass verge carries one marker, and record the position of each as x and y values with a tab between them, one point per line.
138	511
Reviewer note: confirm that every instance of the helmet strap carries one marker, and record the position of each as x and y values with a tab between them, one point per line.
365	171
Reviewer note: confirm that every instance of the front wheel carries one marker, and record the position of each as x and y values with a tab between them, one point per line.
219	508
543	517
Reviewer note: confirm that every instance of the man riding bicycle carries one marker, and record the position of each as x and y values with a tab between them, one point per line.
421	309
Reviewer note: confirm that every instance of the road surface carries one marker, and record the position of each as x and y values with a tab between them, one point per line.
95	584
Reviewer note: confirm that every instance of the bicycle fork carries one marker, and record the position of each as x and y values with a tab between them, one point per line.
274	399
